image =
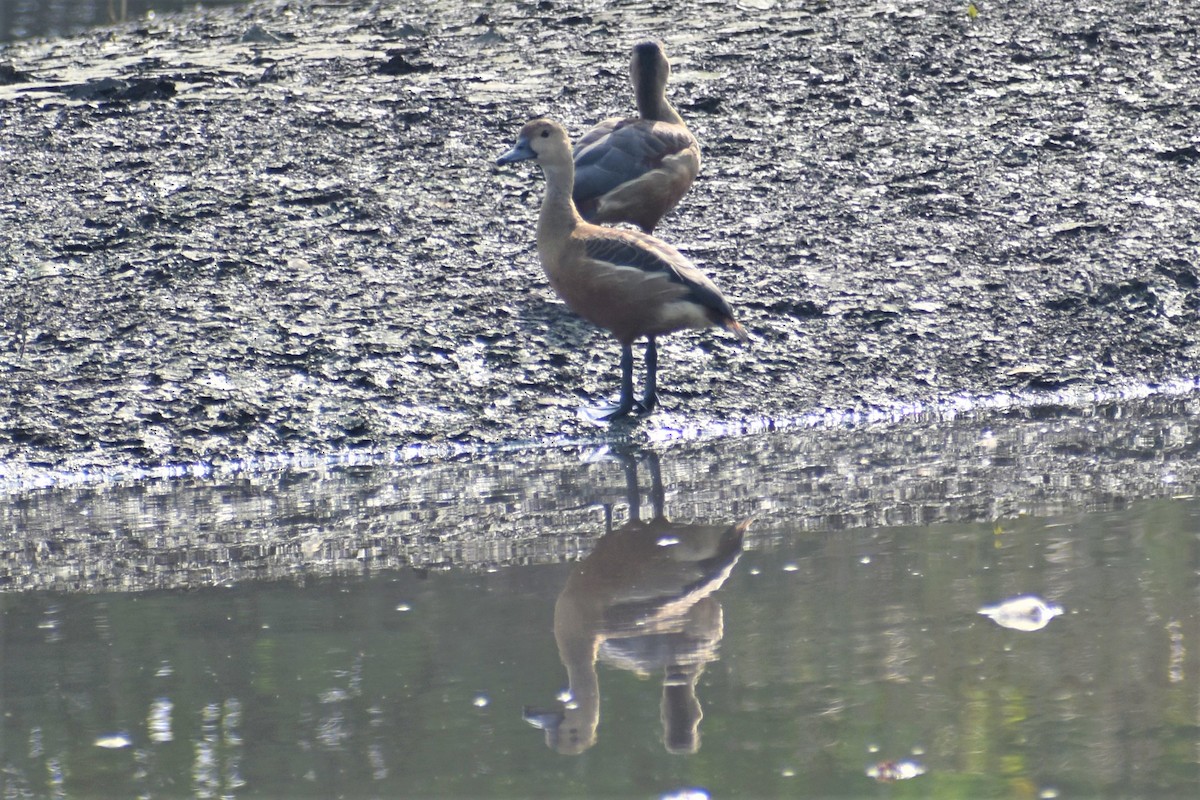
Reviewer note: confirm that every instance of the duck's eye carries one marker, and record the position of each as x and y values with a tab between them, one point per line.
545	134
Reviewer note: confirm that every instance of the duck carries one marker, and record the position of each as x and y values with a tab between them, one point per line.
627	282
636	169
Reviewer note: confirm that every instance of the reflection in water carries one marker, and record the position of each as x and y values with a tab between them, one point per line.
847	657
366	632
642	601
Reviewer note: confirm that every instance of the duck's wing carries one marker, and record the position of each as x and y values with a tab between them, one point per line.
619	151
630	250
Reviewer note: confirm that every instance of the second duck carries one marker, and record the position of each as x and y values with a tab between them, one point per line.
636	169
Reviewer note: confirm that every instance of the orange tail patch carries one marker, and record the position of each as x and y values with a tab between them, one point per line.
734	327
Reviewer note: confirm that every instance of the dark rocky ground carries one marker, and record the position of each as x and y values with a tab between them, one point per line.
279	228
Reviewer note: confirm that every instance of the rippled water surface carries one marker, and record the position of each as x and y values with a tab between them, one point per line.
789	615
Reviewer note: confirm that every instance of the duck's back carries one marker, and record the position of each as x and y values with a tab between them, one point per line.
633	170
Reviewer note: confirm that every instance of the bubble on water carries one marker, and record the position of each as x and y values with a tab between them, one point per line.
481	701
1048	793
791	568
668	541
404	607
889	771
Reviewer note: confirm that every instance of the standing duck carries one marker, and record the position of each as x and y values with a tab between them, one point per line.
636	169
624	281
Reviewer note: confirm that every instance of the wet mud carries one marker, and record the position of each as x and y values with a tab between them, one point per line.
279	228
1024	470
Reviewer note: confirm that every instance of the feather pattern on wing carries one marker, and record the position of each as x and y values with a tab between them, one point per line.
618	151
652	256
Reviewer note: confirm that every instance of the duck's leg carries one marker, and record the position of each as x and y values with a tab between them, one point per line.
650	396
626	403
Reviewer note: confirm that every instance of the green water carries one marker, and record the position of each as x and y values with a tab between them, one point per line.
817	654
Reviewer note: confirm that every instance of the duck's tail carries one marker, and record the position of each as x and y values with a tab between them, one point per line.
735	327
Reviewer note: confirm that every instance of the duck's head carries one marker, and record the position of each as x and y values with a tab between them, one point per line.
649	68
543	140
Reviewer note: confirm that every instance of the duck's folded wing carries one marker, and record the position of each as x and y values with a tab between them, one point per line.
629	250
617	152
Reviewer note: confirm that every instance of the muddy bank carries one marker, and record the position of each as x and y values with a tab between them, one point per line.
1019	473
279	229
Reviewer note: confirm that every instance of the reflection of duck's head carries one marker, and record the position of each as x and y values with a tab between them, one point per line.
641	601
570	730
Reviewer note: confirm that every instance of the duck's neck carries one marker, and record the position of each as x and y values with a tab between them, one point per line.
652	101
558	217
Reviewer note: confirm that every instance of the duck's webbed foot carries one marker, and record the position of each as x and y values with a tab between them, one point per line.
609	413
626	405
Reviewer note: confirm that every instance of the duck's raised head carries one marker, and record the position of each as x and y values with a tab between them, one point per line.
649	68
543	140
649	71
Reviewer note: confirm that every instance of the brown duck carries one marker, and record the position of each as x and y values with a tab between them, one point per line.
624	281
636	169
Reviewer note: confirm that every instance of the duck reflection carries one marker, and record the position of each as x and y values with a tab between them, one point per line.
641	601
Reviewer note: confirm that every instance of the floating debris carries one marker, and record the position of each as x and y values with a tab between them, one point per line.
891	771
114	741
687	793
1025	613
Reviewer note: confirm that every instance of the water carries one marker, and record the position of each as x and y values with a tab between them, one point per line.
415	684
27	19
532	626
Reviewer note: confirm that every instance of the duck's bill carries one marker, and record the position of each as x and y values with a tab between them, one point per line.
521	152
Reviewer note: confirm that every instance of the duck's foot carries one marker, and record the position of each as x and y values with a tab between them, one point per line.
619	411
545	719
627	404
603	414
